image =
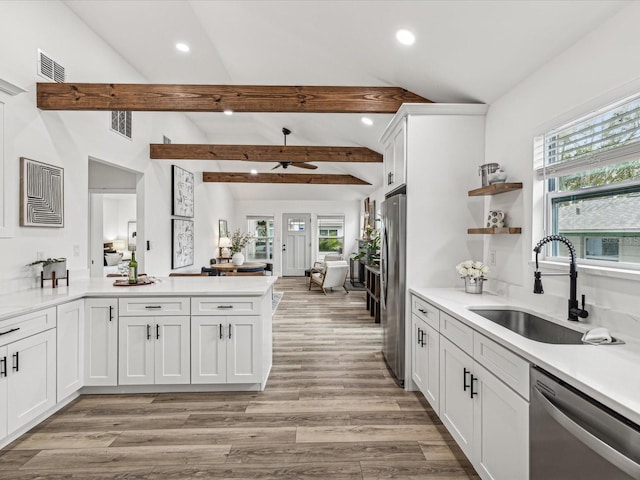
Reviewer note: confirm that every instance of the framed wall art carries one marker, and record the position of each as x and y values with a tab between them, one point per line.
182	187
132	235
41	194
181	243
223	231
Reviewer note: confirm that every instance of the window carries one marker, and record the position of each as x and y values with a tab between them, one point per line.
296	225
591	171
262	230
330	235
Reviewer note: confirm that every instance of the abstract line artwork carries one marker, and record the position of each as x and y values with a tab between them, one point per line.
182	192
181	243
41	194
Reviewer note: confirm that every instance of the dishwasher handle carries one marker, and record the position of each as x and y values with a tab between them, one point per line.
607	452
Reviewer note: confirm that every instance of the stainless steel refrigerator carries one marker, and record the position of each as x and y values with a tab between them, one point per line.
392	282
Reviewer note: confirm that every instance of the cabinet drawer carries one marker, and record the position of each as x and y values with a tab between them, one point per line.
504	364
25	325
153	307
225	306
457	332
426	312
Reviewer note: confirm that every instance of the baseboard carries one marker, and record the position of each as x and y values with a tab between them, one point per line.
133	389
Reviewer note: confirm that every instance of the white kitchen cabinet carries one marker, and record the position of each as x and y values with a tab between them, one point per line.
153	350
395	157
70	348
226	349
456	405
426	361
500	430
31	378
488	420
4	365
101	342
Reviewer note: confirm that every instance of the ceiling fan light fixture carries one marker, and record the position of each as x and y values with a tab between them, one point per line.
183	47
367	121
405	37
228	112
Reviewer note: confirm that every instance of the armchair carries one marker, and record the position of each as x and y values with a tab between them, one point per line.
334	275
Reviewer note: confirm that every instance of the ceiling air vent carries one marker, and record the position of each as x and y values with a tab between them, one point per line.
121	122
49	68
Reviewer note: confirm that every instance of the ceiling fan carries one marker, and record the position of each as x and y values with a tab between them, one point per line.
285	165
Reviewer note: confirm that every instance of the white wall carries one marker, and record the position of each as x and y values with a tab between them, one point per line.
69	139
350	210
118	211
599	68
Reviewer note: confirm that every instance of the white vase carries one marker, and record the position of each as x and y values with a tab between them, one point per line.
237	258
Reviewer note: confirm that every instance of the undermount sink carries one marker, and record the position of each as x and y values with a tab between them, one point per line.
531	326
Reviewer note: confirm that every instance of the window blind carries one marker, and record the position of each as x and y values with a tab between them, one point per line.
605	137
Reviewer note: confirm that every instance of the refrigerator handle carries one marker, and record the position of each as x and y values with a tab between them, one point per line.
383	266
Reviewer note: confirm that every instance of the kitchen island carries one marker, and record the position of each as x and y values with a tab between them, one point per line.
177	334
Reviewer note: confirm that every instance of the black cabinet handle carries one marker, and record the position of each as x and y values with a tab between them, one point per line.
220	331
3	367
424	334
16	362
111	313
229	330
148	332
419	335
465	385
10	331
473	379
224	306
422	311
153	307
157	331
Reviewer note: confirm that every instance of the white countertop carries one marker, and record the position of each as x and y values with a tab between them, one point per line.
35	299
608	373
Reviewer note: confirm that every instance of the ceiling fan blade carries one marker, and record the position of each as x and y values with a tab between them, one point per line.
277	166
308	166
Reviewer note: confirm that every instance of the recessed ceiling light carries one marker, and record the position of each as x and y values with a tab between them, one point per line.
228	112
254	171
405	37
367	121
183	47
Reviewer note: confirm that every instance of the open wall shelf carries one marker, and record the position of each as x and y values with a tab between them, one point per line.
495	189
496	231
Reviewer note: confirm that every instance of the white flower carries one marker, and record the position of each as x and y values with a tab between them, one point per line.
472	269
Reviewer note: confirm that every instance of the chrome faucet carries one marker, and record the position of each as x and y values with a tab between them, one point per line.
575	312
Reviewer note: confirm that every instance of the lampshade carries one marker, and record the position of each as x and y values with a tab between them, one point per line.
224	242
119	245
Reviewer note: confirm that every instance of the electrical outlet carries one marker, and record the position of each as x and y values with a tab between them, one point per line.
76	250
492	258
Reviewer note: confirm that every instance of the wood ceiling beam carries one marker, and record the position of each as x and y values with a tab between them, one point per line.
263	153
217	98
300	178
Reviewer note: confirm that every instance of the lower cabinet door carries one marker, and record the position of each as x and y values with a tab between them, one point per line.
4	364
101	341
208	349
172	346
418	357
70	348
431	376
136	350
31	378
501	429
244	349
456	404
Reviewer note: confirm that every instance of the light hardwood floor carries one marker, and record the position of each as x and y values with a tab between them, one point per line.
330	411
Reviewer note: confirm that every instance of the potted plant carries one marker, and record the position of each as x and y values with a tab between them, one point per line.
239	240
57	265
473	274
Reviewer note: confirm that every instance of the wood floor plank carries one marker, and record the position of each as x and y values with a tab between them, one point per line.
259	420
413	470
41	441
307	471
363	433
324	405
120	423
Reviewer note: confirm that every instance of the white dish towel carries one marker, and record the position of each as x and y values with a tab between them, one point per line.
597	336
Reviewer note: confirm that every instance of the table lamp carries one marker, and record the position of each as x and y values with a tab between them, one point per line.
224	243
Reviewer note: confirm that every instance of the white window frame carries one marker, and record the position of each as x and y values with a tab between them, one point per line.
321	254
543	173
267	218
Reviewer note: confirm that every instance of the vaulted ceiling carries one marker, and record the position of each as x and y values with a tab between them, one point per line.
465	51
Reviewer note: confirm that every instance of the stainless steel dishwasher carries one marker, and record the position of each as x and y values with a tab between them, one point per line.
575	437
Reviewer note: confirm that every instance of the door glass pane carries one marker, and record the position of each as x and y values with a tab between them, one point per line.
296	225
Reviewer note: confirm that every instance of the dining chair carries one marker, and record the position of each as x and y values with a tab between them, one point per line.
245	274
